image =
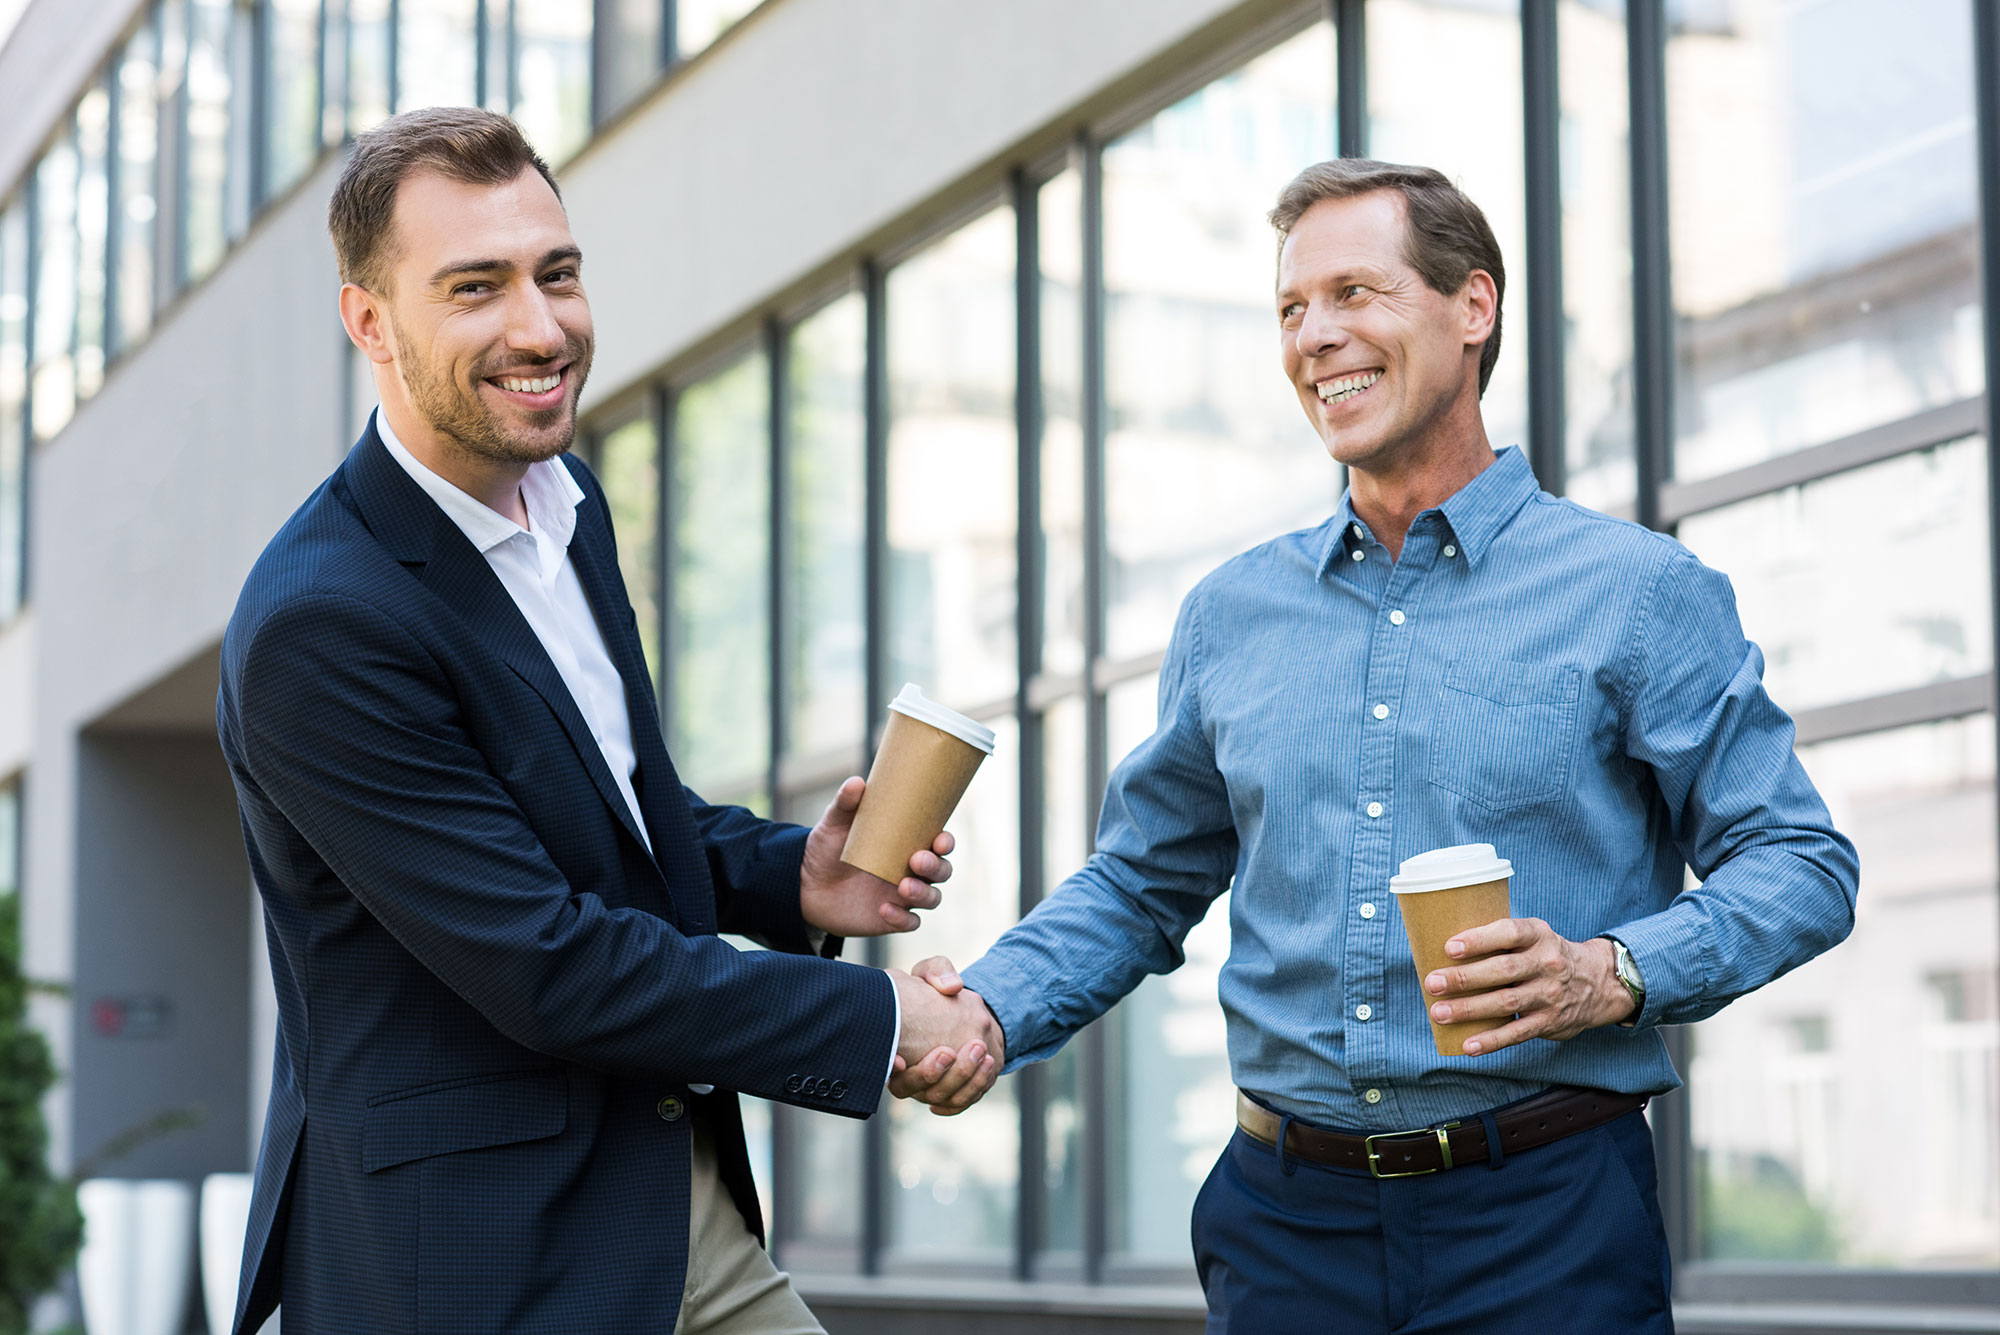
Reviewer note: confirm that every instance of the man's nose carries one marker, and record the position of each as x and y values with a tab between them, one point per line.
1321	329
532	326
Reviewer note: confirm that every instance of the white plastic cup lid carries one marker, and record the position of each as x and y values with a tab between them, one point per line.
912	702
1448	868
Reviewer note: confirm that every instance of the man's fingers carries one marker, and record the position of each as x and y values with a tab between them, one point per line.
1494	937
911	1082
919	894
943	844
956	1077
849	797
1506	1036
899	919
939	973
971	1092
1482	975
928	866
1503	1004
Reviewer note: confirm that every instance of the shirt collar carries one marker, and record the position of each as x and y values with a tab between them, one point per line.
547	489
1476	512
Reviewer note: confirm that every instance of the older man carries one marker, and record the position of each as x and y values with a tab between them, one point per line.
1454	657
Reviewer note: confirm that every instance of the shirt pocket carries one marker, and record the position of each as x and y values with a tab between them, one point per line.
1504	731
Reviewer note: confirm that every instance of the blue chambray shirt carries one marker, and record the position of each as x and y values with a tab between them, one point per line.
1570	688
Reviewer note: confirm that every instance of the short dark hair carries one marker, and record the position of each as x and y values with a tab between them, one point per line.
1447	237
465	144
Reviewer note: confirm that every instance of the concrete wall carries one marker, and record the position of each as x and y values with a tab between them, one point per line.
163	975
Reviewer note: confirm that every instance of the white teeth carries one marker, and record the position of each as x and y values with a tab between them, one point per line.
1347	386
539	386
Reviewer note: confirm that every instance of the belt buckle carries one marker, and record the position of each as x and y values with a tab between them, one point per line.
1444	1150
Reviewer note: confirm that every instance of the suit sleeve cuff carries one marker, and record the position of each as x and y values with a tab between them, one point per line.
895	1042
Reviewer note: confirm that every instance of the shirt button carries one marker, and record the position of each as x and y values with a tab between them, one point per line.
1450	550
1381	711
1355	529
1367	910
670	1109
1360	555
1374	810
1396	618
1373	1096
1363	1011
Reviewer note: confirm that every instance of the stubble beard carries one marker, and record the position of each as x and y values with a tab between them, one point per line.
455	412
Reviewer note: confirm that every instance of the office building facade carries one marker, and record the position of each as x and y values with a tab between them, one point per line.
934	345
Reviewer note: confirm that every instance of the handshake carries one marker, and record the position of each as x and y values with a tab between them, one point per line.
952	1048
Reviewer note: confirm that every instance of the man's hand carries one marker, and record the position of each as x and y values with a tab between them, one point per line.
1518	970
952	1048
847	901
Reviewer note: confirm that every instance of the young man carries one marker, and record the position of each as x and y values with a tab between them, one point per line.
510	1039
1455	657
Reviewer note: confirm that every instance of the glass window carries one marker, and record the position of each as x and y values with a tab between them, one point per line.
1823	575
951	466
291	91
367	64
721	571
822	1229
13	401
53	379
628	464
1178	1102
205	207
437	53
825	638
1444	91
1207	452
1822	198
93	221
699	22
552	74
1891	1038
631	46
1597	253
137	90
1059	235
954	1178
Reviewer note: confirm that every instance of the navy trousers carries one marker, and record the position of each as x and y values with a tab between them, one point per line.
1564	1237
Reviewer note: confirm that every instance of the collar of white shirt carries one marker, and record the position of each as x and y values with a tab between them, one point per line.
547	489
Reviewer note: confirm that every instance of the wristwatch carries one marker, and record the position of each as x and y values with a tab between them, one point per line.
1627	970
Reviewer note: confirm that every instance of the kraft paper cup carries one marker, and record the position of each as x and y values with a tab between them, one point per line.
928	756
1441	893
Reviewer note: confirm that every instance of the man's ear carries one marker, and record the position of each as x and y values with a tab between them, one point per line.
1482	306
366	323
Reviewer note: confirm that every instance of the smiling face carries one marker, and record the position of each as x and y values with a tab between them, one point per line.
486	331
1386	367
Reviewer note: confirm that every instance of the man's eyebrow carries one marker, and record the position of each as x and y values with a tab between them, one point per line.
463	267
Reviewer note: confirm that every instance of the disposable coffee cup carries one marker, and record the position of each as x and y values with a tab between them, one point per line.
928	755
1441	893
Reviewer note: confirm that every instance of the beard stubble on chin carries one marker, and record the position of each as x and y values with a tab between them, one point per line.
455	411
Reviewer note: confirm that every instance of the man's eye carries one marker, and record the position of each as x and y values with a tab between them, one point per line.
560	276
470	289
1292	310
1352	290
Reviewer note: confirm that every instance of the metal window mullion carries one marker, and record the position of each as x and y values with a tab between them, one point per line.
786	1212
395	62
114	215
1986	64
875	401
261	63
603	31
1653	366
1652	292
480	63
1350	88
1031	1093
670	40
1541	101
1093	1087
668	530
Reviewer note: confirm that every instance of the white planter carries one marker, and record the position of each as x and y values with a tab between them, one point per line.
225	1217
137	1257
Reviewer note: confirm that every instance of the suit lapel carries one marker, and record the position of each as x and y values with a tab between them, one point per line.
417	533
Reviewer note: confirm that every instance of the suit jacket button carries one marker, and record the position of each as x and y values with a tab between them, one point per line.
794	1083
671	1109
839	1090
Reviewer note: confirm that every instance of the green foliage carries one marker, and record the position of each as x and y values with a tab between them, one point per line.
1757	1211
40	1226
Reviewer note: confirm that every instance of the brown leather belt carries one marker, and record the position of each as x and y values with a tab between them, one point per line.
1561	1111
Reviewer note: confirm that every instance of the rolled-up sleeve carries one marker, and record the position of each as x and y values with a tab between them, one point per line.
1166	847
1777	881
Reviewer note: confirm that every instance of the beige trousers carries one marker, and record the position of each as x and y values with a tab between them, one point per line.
732	1288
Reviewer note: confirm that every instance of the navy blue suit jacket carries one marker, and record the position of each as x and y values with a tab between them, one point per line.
492	999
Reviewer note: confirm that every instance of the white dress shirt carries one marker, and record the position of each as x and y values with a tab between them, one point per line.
534	567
